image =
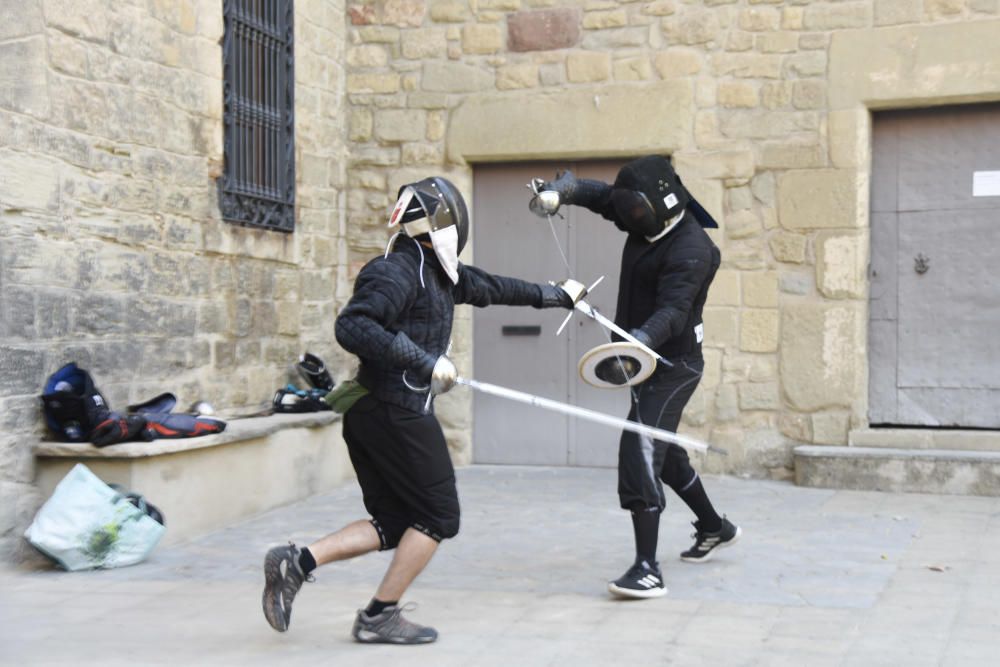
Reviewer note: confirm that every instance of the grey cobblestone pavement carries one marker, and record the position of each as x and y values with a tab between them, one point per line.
820	578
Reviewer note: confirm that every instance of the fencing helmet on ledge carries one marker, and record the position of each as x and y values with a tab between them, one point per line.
434	207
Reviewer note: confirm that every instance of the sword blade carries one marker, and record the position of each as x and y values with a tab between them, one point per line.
690	444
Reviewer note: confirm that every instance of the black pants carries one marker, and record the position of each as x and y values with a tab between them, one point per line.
642	462
404	470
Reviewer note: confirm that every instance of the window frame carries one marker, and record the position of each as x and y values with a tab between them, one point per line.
257	186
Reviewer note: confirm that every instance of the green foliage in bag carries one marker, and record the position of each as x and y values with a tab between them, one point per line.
345	395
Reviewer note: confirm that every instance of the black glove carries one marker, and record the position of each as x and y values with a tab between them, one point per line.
642	337
554	296
117	428
565	184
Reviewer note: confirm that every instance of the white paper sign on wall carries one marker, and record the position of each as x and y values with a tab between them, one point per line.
986	184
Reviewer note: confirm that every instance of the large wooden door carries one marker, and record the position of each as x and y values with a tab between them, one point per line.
935	293
517	347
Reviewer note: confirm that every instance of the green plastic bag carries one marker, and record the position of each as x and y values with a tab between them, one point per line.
344	395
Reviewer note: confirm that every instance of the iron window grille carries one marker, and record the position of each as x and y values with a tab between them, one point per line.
257	187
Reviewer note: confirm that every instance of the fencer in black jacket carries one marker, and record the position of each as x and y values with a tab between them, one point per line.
398	322
668	263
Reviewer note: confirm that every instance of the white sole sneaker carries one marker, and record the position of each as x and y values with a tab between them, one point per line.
657	592
707	557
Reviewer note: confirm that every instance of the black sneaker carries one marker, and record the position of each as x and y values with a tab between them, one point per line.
283	577
705	543
389	627
641	581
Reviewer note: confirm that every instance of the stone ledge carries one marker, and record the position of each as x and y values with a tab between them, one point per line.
236	431
959	472
206	483
925	438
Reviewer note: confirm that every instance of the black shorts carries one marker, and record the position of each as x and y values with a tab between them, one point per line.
644	463
404	469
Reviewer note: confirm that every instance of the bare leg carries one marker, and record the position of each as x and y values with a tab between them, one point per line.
412	555
352	540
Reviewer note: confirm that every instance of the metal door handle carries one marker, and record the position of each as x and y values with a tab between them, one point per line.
921	264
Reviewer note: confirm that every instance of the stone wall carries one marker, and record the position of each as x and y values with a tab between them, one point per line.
112	250
764	105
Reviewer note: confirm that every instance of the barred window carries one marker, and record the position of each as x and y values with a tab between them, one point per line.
257	187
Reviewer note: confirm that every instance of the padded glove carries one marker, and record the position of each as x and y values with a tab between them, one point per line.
117	428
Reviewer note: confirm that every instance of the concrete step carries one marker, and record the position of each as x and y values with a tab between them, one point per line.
951	471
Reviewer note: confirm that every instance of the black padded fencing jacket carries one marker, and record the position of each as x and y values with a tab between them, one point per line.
393	323
663	287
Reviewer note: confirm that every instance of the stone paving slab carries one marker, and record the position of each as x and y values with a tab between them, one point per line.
820	577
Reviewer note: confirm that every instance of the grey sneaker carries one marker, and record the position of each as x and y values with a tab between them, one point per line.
283	577
390	627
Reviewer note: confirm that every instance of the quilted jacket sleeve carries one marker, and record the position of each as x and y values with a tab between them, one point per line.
384	290
481	289
681	278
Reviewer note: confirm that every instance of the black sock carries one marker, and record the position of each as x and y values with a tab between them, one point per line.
646	524
376	606
696	498
306	561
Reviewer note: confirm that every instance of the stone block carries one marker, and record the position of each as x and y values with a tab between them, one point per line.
727	403
721	327
451	77
820	354
17	307
760	290
587	67
792	155
544	29
739	41
515	77
759	396
659	8
738	94
21	368
795	426
373	83
757	124
20	19
449	11
478	39
600	20
776	95
725	289
800	284
739	199
24	77
742	225
894	12
403	13
943	8
915	64
759	330
747	65
88	20
841	265
824	16
788	247
985	6
848	138
693	26
778	42
760	19
379	34
361	122
810	63
814	41
367	55
830	428
528	125
809	94
722	165
677	62
819	199
422	154
632	69
395	125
